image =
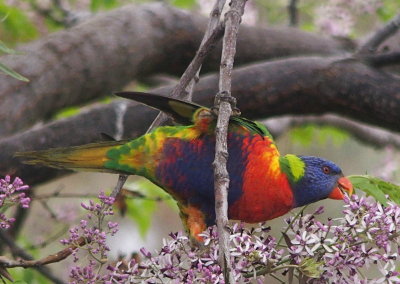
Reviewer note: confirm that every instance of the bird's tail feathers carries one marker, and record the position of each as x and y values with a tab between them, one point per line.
89	157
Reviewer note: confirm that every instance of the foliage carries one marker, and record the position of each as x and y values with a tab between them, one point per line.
16	25
96	5
28	276
142	209
7	70
186	4
388	10
307	134
377	188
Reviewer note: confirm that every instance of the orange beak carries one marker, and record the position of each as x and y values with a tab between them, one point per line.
344	186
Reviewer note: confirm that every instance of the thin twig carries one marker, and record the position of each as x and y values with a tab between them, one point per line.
206	46
224	103
213	24
271	270
293	13
52	258
291	223
49	240
133	195
27	259
121	181
185	86
380	36
212	35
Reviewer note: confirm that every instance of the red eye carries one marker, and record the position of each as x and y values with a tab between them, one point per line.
326	170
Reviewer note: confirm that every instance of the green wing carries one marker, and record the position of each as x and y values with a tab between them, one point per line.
253	126
182	112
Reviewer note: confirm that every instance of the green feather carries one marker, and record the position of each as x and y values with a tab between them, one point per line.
183	112
253	126
292	166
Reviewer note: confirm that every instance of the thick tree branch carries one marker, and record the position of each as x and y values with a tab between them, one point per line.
366	134
290	86
106	52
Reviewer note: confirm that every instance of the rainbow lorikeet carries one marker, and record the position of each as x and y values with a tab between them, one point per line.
263	184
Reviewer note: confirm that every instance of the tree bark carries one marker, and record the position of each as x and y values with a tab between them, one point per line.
289	86
103	54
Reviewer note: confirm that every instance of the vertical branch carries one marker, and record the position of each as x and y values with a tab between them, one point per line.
213	24
224	103
185	86
293	13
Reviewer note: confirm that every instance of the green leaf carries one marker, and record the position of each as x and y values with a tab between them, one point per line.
376	188
5	49
311	268
311	133
185	4
67	112
28	276
388	10
12	73
16	26
96	5
141	210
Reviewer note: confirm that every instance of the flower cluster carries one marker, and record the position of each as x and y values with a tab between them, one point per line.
367	235
11	193
93	232
335	251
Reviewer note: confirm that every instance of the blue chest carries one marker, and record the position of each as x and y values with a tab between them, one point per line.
185	170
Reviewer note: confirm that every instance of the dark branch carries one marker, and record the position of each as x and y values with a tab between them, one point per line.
381	60
368	135
141	41
29	262
348	88
195	65
213	33
293	13
380	36
27	259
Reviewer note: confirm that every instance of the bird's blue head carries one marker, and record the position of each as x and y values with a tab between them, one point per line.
314	178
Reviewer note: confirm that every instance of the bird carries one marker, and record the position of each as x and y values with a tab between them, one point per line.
263	183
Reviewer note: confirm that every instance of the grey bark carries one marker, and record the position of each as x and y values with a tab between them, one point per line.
289	86
103	54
